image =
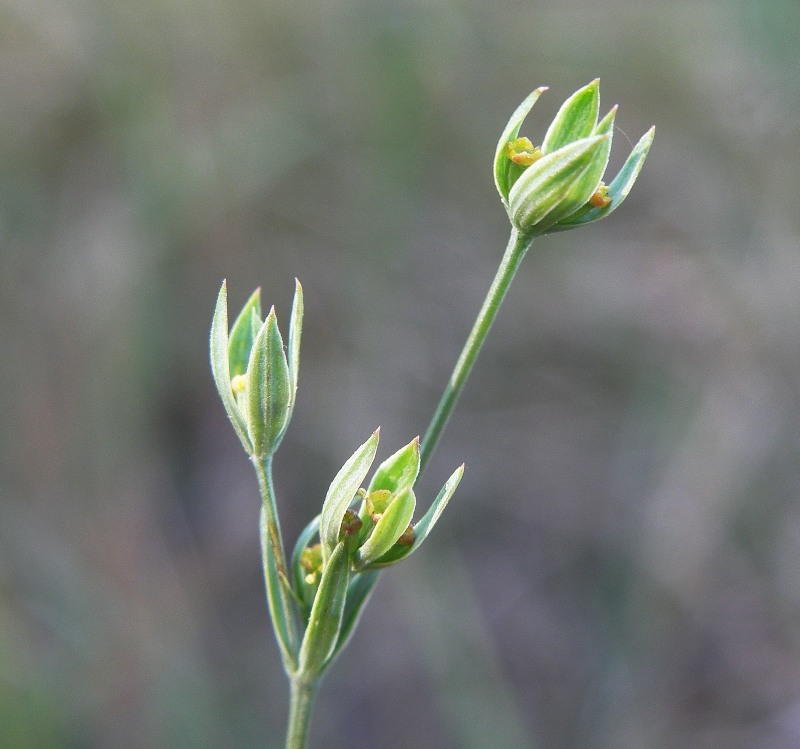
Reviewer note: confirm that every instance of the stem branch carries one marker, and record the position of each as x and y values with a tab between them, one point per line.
518	245
276	577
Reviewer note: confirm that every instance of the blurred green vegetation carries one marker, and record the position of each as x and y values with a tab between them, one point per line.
620	567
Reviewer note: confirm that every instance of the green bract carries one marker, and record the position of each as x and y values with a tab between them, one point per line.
255	379
558	185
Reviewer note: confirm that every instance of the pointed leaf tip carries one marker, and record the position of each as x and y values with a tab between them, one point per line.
220	366
398	470
268	388
342	490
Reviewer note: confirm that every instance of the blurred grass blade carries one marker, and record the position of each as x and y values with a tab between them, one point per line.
295	333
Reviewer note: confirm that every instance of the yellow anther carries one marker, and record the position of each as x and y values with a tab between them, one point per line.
238	383
377	502
600	197
521	151
311	559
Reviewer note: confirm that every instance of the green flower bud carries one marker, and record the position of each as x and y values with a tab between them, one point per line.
558	185
380	533
255	378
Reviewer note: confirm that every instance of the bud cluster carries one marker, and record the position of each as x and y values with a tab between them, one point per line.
359	531
558	185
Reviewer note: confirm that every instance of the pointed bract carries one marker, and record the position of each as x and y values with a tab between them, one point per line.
397	470
575	119
240	341
618	189
503	166
220	367
325	620
554	178
268	393
425	524
341	492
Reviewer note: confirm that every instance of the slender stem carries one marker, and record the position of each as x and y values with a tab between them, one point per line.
303	692
276	577
518	245
300	706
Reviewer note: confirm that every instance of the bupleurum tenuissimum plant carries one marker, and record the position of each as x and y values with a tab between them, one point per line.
315	596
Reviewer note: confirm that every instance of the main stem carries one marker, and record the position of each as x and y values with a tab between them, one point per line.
518	245
300	706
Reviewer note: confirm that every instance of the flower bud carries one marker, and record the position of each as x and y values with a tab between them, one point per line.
255	378
559	185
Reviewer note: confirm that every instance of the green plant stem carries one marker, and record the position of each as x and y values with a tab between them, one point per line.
301	703
303	692
276	577
518	245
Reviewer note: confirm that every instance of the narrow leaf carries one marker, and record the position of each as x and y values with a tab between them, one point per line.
327	613
341	492
268	389
392	524
220	367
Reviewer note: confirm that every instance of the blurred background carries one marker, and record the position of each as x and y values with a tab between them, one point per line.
620	568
